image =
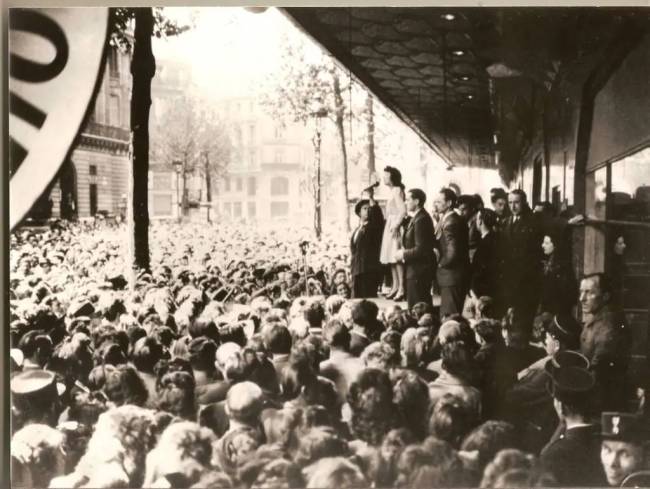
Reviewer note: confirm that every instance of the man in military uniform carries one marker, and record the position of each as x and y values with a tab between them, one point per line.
623	447
573	457
35	398
604	340
528	402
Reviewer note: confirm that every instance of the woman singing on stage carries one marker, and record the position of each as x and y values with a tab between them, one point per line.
392	240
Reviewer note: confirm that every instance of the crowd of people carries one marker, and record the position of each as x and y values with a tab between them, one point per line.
245	358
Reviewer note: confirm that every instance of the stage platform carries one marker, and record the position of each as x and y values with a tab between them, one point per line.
383	303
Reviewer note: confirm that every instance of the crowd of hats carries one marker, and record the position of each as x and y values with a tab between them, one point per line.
237	361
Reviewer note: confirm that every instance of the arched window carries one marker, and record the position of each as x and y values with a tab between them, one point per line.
279	186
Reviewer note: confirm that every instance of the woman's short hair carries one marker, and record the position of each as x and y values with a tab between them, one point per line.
451	419
457	359
411	396
147	352
333	304
413	347
277	338
381	355
176	395
488	439
488	329
123	385
319	443
337	334
335	472
315	314
505	460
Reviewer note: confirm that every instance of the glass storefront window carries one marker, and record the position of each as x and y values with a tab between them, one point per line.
631	187
630	201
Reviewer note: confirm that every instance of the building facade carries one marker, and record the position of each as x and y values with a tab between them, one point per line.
95	177
265	181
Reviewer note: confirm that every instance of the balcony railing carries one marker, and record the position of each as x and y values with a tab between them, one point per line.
104	131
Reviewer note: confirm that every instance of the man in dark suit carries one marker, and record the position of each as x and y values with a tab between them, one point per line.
520	245
484	268
453	262
417	254
365	245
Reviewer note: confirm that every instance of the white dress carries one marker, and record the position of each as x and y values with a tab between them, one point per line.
395	213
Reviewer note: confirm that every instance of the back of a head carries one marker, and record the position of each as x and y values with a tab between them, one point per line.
337	335
524	478
123	385
333	304
489	330
451	419
295	376
315	314
277	338
364	312
458	359
318	443
504	461
488	439
335	473
370	379
146	353
412	347
244	402
380	354
176	395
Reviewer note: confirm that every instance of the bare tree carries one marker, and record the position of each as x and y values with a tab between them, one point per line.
302	94
197	138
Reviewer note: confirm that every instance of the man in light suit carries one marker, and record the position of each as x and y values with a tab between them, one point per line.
453	265
417	254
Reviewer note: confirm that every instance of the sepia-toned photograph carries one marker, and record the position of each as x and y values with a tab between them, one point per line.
328	247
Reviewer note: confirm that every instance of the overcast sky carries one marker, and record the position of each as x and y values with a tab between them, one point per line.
230	50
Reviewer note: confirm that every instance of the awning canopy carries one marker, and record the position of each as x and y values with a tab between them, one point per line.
447	71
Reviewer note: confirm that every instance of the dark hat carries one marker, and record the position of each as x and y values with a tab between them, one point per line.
566	359
564	328
117	281
359	205
570	383
34	387
623	427
83	308
202	345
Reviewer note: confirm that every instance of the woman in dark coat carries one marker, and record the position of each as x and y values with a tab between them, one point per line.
559	286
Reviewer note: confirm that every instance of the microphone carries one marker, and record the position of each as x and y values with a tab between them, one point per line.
370	187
